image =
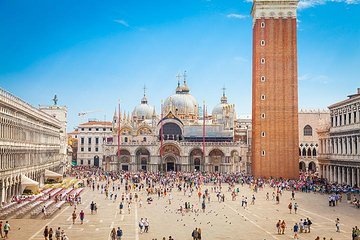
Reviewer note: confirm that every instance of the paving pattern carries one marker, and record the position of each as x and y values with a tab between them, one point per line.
226	220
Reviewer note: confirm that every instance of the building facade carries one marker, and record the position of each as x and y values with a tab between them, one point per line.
91	137
309	122
182	138
29	143
275	92
340	142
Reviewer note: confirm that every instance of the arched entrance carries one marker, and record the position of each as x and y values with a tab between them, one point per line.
125	159
216	158
312	167
302	166
142	158
170	163
196	160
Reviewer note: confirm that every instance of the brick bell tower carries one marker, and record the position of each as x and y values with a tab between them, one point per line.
275	89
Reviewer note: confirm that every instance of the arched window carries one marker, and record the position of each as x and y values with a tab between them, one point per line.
299	152
308	130
314	152
126	139
309	152
304	152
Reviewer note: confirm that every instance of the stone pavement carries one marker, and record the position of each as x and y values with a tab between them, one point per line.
220	221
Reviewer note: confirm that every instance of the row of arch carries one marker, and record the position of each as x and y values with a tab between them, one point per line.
307	152
310	167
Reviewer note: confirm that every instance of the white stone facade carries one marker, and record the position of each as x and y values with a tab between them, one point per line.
309	122
29	144
340	142
91	137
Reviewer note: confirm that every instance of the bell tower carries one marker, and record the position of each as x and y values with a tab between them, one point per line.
275	89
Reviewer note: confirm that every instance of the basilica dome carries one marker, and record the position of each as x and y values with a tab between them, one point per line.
144	110
182	103
217	111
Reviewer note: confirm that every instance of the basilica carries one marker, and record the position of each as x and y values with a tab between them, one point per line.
183	137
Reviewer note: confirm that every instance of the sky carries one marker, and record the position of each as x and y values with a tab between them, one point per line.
92	53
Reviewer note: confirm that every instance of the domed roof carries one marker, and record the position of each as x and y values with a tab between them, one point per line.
218	109
144	110
182	102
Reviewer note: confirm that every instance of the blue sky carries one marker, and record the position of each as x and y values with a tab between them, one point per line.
90	53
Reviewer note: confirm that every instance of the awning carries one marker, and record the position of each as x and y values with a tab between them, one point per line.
49	173
27	183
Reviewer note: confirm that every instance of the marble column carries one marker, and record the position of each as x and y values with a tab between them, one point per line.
348	176
339	175
331	174
353	176
343	175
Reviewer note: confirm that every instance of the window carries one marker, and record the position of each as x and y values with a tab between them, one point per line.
262	60
96	149
89	162
263	97
262	24
308	130
263	115
104	129
82	162
82	149
89	140
126	139
340	120
82	129
144	139
262	43
89	149
263	134
350	118
262	79
82	140
89	129
354	117
344	118
96	129
96	140
263	153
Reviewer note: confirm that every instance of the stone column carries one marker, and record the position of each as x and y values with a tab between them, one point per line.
358	177
358	144
353	176
335	174
348	176
343	175
331	179
1	192
339	175
353	140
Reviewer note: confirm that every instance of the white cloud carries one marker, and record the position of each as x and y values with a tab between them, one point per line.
311	77
304	4
235	15
122	22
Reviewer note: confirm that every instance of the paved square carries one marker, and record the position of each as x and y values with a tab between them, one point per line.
226	220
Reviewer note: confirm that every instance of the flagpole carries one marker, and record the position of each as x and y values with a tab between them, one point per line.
203	140
118	133
161	135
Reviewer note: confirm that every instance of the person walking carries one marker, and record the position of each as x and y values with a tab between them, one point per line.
119	233
337	224
146	225
51	233
309	224
74	217
46	232
141	225
113	234
57	234
199	231
283	226
195	234
290	207
296	231
82	216
296	207
121	206
1	229
6	229
278	226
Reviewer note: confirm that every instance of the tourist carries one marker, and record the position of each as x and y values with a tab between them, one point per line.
113	234
141	225
6	229
195	234
92	205
1	229
337	224
119	233
295	207
146	225
46	233
57	233
278	226
296	230
199	232
309	223
290	207
51	233
283	226
121	206
73	217
82	216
